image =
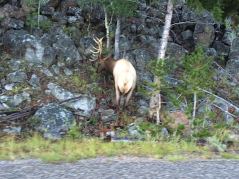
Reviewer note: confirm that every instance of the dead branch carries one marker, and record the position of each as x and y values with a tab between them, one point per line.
218	97
234	116
17	114
70	99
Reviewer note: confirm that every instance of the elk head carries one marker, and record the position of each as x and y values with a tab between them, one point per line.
105	63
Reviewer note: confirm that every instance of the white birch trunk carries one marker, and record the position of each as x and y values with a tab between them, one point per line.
107	27
38	14
194	105
166	30
155	101
117	39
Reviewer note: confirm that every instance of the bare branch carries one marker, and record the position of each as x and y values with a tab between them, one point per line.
189	22
234	116
218	97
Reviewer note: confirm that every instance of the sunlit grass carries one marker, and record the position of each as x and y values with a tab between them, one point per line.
230	156
72	150
175	158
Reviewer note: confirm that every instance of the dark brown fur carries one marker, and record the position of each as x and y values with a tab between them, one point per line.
107	64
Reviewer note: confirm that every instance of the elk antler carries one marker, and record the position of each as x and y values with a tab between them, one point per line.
98	50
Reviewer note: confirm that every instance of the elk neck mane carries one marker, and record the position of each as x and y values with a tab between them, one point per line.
109	64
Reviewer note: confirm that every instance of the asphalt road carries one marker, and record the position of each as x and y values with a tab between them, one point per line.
120	168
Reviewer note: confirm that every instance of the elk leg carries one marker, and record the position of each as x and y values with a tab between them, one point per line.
128	97
117	95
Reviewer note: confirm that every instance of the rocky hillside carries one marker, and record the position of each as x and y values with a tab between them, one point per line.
48	82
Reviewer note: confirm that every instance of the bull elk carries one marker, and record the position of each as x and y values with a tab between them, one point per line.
123	72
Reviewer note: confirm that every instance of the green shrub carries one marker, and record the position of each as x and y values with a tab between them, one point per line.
32	22
75	132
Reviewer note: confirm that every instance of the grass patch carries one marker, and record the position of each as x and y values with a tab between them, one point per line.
176	158
72	150
230	156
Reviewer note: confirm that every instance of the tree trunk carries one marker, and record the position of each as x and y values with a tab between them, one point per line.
155	101
165	36
117	39
38	14
107	27
194	105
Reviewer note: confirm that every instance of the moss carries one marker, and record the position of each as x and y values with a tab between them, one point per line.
18	88
73	82
32	22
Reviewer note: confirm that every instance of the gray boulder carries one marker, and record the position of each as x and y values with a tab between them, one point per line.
234	51
187	35
204	34
59	93
42	51
108	115
65	47
140	58
47	72
12	11
143	107
221	48
232	65
34	81
53	121
211	52
187	39
13	40
84	104
68	72
17	77
59	17
184	13
74	15
74	11
11	130
47	10
228	37
188	14
9	87
205	17
49	55
22	44
11	23
15	100
14	64
175	51
34	51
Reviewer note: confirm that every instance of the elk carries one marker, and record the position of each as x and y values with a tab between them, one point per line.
122	70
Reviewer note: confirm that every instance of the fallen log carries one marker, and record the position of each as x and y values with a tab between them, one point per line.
9	116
